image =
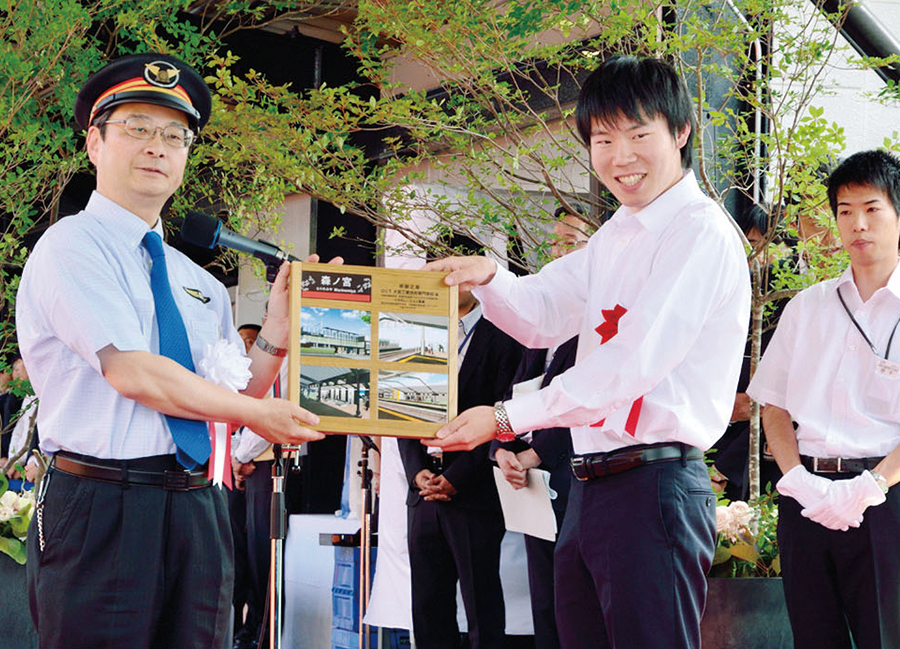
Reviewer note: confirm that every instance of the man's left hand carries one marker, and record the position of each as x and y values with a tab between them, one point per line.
844	503
472	428
440	489
278	322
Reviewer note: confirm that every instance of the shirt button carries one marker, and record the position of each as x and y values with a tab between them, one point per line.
852	348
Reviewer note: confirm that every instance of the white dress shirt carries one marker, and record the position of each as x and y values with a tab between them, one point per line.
820	369
679	269
85	286
466	330
246	445
19	435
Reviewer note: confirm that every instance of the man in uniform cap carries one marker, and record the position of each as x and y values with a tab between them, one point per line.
131	546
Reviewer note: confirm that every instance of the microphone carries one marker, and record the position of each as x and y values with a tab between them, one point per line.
206	231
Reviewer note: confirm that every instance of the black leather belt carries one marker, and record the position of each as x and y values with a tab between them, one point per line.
839	464
598	465
133	472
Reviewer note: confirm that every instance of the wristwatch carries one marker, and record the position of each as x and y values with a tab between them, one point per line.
880	480
504	430
269	348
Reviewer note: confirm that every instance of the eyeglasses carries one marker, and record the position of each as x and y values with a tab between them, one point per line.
141	128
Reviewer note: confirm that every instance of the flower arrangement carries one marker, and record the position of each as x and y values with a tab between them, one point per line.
15	516
747	545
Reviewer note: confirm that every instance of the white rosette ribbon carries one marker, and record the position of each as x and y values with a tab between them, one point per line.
224	364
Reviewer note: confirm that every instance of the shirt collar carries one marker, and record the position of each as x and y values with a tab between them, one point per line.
122	224
658	214
468	321
892	286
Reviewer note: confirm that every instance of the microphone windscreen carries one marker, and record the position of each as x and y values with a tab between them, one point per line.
200	229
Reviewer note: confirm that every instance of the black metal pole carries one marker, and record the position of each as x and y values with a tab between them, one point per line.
865	33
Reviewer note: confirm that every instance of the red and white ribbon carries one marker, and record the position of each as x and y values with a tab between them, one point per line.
220	458
225	364
607	330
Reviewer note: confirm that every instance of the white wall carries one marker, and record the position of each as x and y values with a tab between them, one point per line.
292	236
866	122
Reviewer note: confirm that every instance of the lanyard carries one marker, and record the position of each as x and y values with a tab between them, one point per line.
468	335
860	330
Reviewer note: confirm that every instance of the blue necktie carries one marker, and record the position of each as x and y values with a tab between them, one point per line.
191	436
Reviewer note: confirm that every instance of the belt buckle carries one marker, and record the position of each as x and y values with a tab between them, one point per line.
827	465
578	462
176	480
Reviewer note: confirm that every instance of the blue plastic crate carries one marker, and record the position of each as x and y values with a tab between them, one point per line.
343	639
344	609
346	568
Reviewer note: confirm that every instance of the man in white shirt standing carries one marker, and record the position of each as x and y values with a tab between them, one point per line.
130	546
831	368
660	300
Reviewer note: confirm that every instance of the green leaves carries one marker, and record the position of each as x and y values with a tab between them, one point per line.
15	516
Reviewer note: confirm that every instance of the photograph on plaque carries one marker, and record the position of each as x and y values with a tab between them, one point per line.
412	338
412	396
335	391
373	351
335	333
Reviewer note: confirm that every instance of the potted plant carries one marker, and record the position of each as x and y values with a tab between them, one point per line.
16	510
745	604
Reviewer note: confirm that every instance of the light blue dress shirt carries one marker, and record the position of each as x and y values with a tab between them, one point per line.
85	286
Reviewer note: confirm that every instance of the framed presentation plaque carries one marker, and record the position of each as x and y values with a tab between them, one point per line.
373	350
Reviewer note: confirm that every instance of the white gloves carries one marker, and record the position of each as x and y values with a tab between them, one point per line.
804	487
835	504
846	500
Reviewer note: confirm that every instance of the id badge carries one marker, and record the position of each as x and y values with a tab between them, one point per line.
887	368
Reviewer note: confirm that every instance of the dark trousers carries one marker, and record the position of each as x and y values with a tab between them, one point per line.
447	544
837	583
258	489
632	558
237	510
541	586
136	567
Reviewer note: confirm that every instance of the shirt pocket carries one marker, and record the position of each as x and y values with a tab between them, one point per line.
201	322
882	395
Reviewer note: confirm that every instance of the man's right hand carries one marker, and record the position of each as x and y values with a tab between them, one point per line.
279	421
465	272
423	479
432	486
516	475
803	486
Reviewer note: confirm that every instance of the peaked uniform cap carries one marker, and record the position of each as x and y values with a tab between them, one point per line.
150	78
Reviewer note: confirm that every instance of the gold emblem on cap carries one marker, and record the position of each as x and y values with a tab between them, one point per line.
162	74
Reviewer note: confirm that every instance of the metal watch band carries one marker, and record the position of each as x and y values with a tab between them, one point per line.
504	429
269	348
880	480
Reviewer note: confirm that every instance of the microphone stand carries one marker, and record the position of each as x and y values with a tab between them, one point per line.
365	536
277	533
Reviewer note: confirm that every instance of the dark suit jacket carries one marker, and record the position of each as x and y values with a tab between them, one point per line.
484	377
553	445
9	406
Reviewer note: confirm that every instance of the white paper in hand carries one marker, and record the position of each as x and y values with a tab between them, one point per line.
528	510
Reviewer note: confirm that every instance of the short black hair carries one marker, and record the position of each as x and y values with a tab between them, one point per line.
255	327
756	216
878	169
579	209
100	121
638	89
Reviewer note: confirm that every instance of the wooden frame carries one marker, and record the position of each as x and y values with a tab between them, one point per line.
373	351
